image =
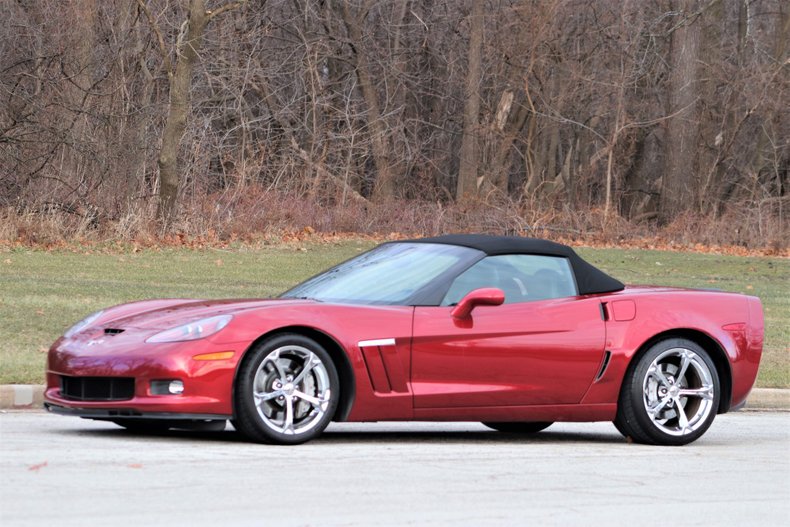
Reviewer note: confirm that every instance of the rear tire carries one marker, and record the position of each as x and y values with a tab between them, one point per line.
519	428
670	394
286	392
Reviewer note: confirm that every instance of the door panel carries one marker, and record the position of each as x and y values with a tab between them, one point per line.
544	352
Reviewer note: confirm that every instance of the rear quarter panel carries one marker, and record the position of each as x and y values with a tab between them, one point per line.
638	316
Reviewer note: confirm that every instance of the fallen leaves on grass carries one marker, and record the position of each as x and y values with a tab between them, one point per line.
309	235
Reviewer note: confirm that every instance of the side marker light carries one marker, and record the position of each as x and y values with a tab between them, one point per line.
219	355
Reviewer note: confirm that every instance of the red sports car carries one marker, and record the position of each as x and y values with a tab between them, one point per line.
514	332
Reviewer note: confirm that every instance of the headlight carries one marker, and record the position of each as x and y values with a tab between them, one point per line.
82	324
193	331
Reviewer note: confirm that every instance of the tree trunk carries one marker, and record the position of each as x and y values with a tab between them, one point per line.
470	148
619	123
743	15
500	165
677	183
187	48
384	185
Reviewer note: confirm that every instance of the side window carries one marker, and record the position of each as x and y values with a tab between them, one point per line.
523	278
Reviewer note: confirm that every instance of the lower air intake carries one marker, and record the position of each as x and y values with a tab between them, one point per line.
97	388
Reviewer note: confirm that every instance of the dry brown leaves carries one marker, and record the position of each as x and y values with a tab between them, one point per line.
309	235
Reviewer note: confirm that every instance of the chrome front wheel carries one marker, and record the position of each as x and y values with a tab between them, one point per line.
291	390
287	391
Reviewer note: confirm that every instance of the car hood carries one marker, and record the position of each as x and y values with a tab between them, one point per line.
189	310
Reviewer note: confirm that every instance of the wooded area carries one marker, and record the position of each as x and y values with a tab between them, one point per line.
505	115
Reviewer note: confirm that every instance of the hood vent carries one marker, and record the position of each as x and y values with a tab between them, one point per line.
113	331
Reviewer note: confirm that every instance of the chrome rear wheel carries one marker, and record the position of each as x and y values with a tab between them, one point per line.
670	394
678	392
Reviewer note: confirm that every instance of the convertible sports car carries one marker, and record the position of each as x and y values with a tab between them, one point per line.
514	332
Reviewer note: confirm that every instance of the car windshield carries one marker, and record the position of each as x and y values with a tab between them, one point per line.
390	274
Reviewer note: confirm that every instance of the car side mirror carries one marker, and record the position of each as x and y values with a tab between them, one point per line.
486	296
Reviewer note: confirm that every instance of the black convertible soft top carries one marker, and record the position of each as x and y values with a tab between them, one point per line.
589	279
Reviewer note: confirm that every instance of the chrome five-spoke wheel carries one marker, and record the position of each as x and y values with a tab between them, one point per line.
671	394
291	390
286	391
678	392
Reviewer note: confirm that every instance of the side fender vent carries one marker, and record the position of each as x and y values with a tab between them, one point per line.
386	372
606	356
604	311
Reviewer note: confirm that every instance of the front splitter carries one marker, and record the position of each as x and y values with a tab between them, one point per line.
127	413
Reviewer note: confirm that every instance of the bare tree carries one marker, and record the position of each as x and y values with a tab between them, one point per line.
563	111
354	21
187	49
470	148
678	181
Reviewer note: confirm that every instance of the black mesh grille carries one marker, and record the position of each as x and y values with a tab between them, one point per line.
97	388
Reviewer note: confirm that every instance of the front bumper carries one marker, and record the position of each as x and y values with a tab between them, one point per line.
208	385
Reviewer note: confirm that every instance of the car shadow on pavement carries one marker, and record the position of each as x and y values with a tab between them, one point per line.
459	437
229	435
357	437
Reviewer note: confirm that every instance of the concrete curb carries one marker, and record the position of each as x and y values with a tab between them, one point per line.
31	396
21	396
769	399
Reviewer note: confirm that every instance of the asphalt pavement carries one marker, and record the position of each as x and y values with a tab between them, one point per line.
64	471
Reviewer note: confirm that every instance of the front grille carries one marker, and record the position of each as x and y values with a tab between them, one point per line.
97	388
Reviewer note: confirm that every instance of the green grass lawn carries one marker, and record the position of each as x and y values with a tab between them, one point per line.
43	293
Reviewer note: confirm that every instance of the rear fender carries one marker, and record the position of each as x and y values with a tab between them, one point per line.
698	316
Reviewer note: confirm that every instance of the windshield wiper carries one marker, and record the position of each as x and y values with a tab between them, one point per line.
304	298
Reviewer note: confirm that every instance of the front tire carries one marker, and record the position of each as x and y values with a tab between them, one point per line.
670	394
286	392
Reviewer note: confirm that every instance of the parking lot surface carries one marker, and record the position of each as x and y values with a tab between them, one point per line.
67	471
